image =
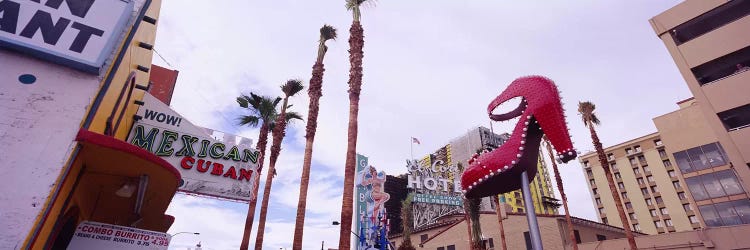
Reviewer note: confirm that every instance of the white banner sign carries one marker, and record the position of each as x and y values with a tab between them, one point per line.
91	235
208	166
80	33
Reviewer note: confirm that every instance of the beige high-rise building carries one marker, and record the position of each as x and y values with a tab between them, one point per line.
710	44
652	194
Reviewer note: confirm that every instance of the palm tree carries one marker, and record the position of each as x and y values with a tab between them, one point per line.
476	229
315	92
290	88
586	110
263	112
571	233
356	42
498	211
407	219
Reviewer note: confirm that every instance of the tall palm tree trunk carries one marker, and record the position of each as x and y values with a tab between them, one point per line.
279	131
498	210
612	188
356	43
571	233
315	92
261	146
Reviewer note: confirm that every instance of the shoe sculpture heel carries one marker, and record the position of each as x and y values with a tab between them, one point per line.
499	171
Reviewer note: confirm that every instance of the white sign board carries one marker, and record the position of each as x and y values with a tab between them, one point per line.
208	166
91	235
79	33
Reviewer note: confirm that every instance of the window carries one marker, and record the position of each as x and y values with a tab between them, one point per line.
423	237
450	247
610	157
605	221
650	178
652	212
710	21
440	248
713	185
632	216
637	148
646	169
687	207
654	189
590	173
649	201
663	211
668	222
600	237
598	201
640	181
681	195
636	170
693	219
667	163
624	195
644	191
636	227
527	238
662	153
722	67
659	200
593	183
699	158
710	216
628	205
628	151
676	184
578	236
594	191
726	213
520	210
613	166
586	164
633	162
658	142
657	224
642	160
671	173
620	185
488	244
601	210
617	176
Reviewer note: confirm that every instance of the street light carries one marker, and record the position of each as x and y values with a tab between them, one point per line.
185	233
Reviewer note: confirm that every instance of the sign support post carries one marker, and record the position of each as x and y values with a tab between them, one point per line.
536	237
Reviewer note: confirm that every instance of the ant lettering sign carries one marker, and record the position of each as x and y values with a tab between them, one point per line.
77	33
436	182
209	166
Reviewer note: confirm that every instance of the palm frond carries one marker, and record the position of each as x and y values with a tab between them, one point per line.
351	4
292	87
276	101
243	101
327	32
249	120
586	110
291	115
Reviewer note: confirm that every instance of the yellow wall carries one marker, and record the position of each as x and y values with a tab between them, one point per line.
540	186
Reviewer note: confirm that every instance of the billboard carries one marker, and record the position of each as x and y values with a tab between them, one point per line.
372	219
91	235
209	166
436	181
77	33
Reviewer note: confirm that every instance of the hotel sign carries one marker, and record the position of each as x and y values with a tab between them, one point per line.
439	199
76	33
209	166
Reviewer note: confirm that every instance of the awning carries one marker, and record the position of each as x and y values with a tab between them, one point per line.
113	172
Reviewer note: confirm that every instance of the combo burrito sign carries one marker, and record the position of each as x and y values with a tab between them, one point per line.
210	167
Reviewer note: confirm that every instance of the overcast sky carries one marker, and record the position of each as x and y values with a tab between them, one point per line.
430	69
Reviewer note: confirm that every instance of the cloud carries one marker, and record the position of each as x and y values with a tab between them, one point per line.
429	71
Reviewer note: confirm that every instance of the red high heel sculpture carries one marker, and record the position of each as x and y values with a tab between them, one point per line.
499	171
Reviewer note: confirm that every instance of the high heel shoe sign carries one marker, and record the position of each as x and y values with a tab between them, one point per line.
499	171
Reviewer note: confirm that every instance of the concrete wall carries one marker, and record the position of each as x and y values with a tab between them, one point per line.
719	238
39	122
